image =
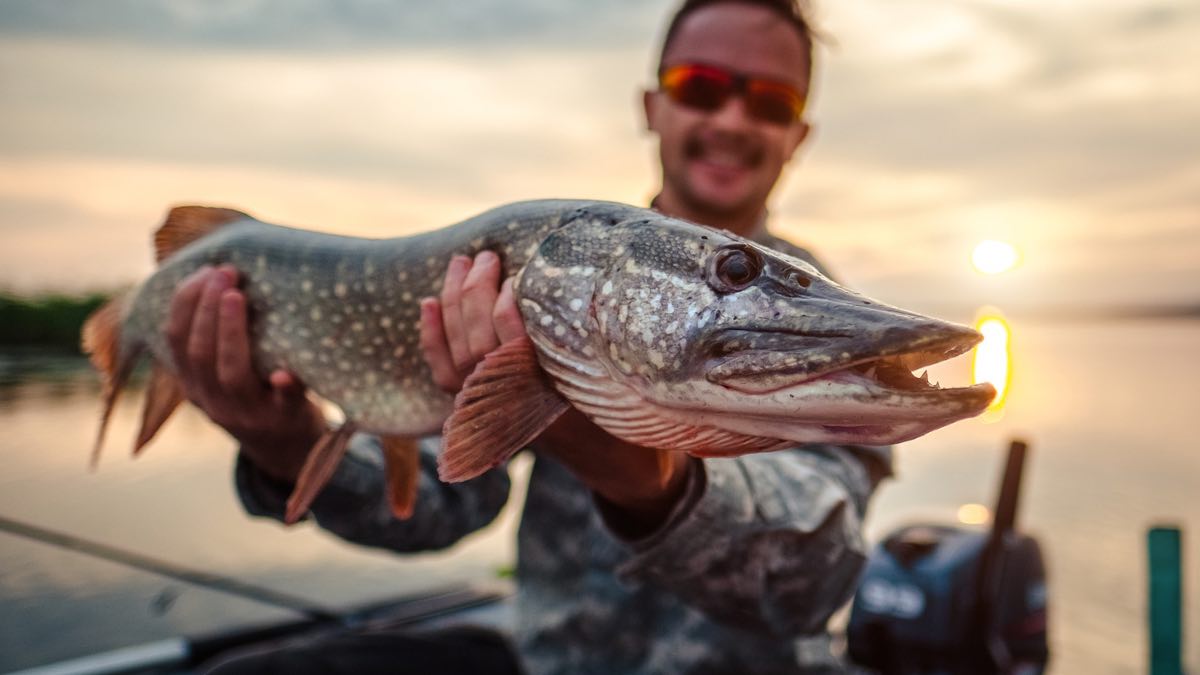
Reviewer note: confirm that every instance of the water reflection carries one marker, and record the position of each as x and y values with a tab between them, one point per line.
993	358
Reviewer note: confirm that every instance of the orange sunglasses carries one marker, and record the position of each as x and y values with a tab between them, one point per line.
707	88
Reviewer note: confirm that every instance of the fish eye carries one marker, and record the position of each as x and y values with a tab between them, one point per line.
734	268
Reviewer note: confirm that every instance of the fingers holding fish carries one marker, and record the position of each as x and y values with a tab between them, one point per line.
434	347
451	297
233	366
506	317
477	301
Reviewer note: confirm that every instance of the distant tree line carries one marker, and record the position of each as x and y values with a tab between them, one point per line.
49	321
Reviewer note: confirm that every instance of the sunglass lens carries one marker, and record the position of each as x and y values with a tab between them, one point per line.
699	88
772	104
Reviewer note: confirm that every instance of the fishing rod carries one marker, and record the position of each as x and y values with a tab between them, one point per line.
216	582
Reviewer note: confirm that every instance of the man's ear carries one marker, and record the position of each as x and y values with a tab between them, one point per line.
650	105
797	136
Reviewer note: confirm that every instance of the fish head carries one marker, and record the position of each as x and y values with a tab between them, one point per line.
709	330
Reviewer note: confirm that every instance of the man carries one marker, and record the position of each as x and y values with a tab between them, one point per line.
629	560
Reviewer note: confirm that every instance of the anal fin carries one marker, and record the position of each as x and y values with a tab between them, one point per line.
504	404
318	468
402	457
164	393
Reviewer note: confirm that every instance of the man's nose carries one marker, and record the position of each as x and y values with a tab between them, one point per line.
732	113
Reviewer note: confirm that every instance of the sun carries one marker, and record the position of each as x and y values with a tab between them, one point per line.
993	257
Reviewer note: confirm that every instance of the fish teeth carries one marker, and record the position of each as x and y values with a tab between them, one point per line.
925	376
871	372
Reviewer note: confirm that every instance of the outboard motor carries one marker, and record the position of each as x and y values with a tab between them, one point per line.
944	600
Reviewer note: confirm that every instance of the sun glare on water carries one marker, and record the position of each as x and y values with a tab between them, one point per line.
993	356
993	257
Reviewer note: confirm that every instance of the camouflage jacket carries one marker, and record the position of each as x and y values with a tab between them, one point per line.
742	578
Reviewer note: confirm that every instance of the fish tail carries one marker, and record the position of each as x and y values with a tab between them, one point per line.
101	340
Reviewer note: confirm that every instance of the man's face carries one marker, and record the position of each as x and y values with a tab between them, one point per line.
723	164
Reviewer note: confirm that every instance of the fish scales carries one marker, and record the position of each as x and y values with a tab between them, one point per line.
665	333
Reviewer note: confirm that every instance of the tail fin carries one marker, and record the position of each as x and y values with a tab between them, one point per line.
101	340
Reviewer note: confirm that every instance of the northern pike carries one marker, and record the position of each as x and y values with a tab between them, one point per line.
665	333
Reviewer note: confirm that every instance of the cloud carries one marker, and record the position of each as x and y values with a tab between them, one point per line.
320	25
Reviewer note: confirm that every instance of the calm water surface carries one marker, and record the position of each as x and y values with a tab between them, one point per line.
1108	407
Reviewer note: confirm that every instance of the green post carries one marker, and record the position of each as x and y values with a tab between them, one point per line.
1165	548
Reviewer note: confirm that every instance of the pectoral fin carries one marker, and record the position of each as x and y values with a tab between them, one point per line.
164	393
503	405
403	460
318	468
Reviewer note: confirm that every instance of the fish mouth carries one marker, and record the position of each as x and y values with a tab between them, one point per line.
762	363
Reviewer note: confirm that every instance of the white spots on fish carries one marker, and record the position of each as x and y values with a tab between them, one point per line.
340	290
306	286
385	321
406	296
619	250
559	329
328	342
531	305
558	292
368	350
402	276
546	320
274	319
607	287
357	327
370	287
622	313
315	314
261	263
306	356
345	366
512	226
576	304
290	307
370	378
303	332
632	267
323	293
670	329
477	243
655	300
399	351
656	358
266	288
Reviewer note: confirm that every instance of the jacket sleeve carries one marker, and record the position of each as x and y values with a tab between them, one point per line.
770	542
354	504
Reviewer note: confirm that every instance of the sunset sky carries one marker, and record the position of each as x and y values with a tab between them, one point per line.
1068	128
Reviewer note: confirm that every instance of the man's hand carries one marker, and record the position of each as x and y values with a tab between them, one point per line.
209	338
472	318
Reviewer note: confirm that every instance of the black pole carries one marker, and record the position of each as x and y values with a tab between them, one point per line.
991	562
208	580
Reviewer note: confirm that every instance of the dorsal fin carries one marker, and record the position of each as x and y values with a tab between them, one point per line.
185	224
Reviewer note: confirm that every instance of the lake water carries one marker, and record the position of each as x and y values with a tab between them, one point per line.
1109	409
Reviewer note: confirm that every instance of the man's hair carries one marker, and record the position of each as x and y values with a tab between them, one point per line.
791	11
